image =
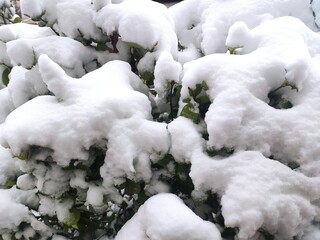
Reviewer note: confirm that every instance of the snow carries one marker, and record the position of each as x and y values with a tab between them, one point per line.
205	24
66	98
239	116
95	196
133	144
162	217
142	22
258	192
78	106
9	168
15	201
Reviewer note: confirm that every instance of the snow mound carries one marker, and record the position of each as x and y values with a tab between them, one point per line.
90	105
164	217
257	192
205	24
239	88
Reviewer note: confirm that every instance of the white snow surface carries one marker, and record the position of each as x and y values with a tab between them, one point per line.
205	23
164	217
239	116
258	193
93	102
56	108
16	201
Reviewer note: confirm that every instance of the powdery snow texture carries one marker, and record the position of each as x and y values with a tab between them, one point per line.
56	107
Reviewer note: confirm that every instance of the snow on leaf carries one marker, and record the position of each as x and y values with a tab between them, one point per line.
90	105
258	193
163	217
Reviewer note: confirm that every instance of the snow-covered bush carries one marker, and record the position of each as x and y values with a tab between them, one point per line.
125	119
9	12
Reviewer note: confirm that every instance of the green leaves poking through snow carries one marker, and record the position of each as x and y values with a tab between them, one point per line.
134	45
23	156
5	76
132	187
10	183
234	50
197	104
190	110
102	47
73	219
278	100
16	19
148	78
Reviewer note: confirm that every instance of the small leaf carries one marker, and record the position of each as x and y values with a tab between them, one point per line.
234	50
188	113
10	183
148	78
101	47
134	45
23	156
132	187
16	19
5	76
284	104
204	99
186	100
204	86
73	218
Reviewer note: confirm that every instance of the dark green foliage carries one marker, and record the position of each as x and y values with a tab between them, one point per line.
278	100
5	76
223	152
197	104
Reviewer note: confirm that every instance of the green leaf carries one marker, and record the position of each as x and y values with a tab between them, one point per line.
102	47
198	90
132	187
134	45
73	218
233	50
148	78
187	111
165	160
186	100
284	104
16	19
204	86
10	183
5	76
224	152
23	156
204	99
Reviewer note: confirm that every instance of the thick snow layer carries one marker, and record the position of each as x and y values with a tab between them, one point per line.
133	144
90	105
63	16
25	79
239	116
13	210
23	30
258	193
142	22
164	217
53	114
68	53
17	31
9	168
6	105
205	24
